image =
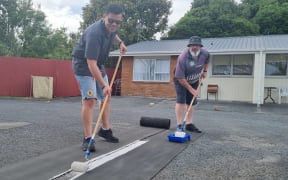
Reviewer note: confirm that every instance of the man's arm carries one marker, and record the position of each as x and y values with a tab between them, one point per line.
117	40
122	46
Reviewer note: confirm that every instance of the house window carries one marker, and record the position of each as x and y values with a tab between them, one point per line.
232	64
221	65
276	64
243	64
151	69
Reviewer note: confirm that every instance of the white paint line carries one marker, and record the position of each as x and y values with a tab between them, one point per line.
9	125
100	160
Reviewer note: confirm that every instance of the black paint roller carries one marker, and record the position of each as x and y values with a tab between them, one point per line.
155	122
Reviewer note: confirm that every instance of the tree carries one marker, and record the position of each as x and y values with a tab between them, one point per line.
33	35
8	25
25	32
141	21
212	18
270	15
273	20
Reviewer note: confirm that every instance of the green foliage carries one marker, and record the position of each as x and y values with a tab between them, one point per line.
220	18
272	18
141	21
9	24
24	32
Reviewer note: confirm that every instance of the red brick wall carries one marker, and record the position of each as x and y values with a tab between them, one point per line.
154	89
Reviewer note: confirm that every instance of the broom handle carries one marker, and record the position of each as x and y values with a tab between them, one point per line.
190	106
106	99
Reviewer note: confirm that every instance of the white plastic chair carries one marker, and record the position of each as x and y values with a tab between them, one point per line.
283	91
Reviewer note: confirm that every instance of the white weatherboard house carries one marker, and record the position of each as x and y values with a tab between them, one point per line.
244	68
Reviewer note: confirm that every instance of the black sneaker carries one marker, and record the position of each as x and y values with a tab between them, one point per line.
108	135
86	144
192	128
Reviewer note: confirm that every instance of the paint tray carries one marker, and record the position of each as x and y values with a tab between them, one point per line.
173	138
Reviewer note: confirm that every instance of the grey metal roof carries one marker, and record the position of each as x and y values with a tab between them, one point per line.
213	45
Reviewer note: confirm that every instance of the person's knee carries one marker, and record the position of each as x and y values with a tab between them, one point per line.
89	103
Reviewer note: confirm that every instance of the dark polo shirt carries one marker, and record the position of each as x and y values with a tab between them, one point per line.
95	44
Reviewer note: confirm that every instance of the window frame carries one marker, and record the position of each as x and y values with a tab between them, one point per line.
155	73
285	60
231	65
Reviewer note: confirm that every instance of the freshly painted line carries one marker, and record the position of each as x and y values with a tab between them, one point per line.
8	125
100	160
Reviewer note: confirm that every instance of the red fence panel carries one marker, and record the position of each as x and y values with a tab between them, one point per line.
16	73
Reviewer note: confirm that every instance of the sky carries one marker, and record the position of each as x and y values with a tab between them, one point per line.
67	13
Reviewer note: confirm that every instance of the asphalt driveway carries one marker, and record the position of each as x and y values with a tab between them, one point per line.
239	140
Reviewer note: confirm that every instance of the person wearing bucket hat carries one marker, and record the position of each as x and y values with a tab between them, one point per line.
192	64
195	40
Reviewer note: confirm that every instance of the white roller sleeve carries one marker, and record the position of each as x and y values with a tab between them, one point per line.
180	134
80	166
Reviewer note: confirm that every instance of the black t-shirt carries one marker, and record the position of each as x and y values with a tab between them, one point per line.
95	44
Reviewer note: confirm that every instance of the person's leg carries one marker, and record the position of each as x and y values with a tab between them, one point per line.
190	115
179	111
190	126
106	114
105	131
87	116
88	93
189	98
180	103
101	98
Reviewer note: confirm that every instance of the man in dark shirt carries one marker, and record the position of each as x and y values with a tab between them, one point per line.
192	64
89	54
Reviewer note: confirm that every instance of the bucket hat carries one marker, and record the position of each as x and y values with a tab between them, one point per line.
195	40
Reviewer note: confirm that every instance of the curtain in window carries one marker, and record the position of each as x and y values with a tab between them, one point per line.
276	65
243	64
162	69
221	65
151	70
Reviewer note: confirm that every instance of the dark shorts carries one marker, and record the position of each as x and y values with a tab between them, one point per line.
183	96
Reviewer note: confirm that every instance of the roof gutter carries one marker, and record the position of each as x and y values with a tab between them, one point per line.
212	52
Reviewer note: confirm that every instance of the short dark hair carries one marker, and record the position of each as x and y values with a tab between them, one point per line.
115	9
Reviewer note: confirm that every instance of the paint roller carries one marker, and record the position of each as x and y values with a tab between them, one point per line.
80	166
155	122
84	166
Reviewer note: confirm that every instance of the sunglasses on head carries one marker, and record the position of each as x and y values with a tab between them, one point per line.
111	21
